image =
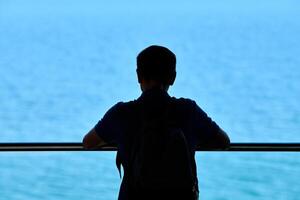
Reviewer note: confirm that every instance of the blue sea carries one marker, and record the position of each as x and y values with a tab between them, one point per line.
64	63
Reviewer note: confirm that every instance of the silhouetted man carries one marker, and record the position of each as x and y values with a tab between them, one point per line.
121	125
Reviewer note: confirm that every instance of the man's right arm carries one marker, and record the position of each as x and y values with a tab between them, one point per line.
92	141
106	131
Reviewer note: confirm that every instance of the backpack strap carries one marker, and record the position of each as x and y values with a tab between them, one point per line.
133	105
118	163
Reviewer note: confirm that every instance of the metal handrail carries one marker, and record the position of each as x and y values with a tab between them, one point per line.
73	146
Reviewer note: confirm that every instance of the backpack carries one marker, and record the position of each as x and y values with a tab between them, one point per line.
160	158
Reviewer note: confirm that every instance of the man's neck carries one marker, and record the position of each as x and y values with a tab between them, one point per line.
148	85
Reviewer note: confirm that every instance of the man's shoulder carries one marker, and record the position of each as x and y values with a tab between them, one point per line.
126	104
123	107
180	103
184	102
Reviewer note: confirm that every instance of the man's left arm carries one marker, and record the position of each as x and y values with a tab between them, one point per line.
212	135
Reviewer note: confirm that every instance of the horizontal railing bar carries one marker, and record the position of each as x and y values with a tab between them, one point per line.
72	146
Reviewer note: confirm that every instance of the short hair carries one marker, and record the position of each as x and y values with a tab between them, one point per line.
157	63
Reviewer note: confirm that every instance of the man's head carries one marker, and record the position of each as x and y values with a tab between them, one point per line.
156	64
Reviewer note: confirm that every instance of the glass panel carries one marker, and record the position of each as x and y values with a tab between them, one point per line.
61	60
87	175
248	175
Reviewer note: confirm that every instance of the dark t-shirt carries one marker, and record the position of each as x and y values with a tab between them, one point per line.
122	121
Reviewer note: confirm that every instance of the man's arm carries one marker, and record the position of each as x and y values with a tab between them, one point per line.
212	136
221	140
106	131
91	140
217	139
